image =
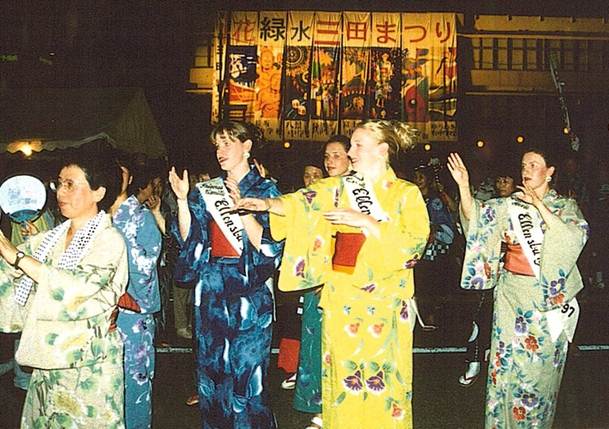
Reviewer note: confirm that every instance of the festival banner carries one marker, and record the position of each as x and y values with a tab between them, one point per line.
272	28
325	68
304	75
219	45
242	59
429	44
354	103
385	63
296	104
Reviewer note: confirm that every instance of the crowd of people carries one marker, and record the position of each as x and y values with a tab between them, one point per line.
88	294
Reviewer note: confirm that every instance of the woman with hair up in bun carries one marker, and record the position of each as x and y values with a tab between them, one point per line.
359	235
230	255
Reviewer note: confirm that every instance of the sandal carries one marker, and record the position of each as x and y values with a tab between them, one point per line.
471	374
192	400
289	383
316	423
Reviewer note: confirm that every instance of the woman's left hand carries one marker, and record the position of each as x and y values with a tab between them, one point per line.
348	217
529	195
233	189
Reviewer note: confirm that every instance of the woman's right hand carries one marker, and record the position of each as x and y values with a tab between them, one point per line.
179	185
458	170
253	204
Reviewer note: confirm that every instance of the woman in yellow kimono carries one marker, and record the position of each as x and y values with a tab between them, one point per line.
360	235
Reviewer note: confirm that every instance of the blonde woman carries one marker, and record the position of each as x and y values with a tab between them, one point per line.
359	235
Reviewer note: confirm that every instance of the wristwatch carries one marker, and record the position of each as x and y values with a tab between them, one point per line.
20	255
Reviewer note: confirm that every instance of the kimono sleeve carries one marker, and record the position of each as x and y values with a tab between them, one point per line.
194	251
403	238
11	314
144	255
308	236
482	234
91	289
564	239
260	264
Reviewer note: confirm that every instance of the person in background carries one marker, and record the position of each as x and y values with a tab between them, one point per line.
307	396
230	255
535	310
291	326
478	341
61	289
141	301
359	236
311	174
432	272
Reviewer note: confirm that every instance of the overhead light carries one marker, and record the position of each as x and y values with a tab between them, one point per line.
566	130
427	147
520	139
286	145
480	143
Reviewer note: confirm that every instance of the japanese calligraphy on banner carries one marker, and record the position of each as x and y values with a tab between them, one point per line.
325	68
296	105
272	28
429	74
308	75
354	104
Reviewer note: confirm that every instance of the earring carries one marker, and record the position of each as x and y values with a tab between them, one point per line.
548	179
246	155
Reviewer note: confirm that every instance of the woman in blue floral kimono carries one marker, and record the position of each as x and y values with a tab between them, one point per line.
142	300
535	287
230	255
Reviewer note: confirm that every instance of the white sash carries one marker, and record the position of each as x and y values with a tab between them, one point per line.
526	221
362	197
219	205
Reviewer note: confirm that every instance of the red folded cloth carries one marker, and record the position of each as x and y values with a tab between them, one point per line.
346	249
127	302
220	246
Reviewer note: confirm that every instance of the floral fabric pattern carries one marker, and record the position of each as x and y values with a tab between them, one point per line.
232	316
526	366
67	337
367	327
143	239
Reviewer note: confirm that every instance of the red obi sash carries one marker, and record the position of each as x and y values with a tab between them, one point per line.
516	261
346	249
220	246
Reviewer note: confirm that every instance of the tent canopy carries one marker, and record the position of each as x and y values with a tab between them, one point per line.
59	118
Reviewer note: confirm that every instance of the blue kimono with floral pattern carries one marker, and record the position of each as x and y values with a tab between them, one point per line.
233	315
525	364
143	238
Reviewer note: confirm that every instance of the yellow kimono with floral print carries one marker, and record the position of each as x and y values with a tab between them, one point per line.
367	319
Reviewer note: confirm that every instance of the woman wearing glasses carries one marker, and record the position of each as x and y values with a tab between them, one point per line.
60	288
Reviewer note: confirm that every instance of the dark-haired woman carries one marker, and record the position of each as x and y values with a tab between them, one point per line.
535	307
60	289
230	255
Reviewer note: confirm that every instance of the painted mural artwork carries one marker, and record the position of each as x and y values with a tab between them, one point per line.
304	75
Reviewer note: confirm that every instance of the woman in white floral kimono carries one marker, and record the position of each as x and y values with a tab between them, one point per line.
60	288
535	282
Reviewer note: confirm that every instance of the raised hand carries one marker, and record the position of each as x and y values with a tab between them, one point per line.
179	186
458	170
260	167
233	189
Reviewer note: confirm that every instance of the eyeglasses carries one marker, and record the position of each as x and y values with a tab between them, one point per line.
67	184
